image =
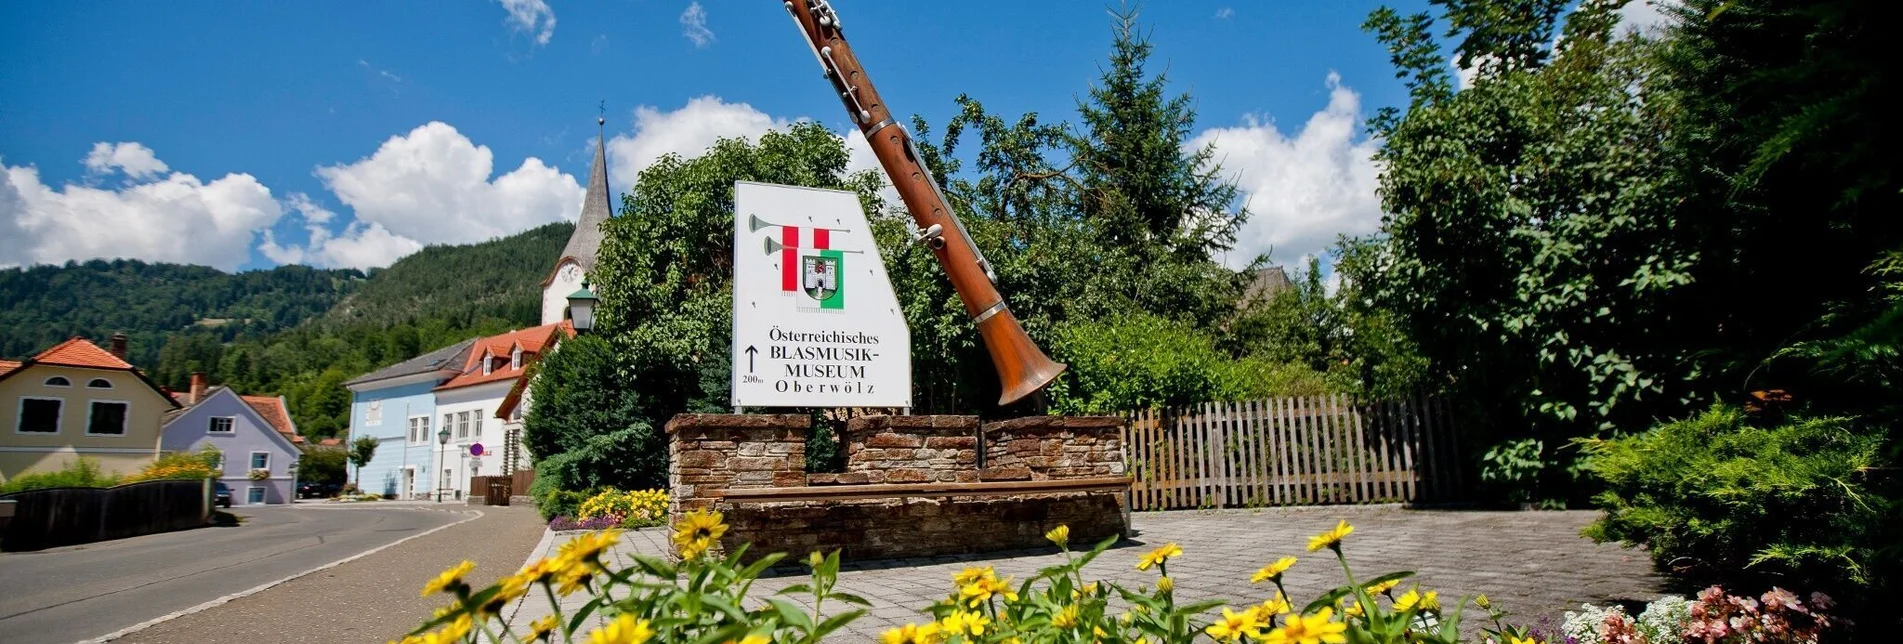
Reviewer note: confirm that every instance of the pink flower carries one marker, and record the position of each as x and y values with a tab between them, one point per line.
1822	601
1776	598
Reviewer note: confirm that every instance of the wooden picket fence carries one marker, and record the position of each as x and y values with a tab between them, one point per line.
1293	451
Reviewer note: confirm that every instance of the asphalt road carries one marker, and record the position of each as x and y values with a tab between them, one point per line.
82	592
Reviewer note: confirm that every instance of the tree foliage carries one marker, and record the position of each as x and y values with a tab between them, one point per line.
583	428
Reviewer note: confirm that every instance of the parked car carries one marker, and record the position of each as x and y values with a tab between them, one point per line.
318	490
220	494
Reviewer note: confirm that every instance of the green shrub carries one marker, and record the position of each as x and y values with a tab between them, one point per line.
1719	498
81	472
1143	362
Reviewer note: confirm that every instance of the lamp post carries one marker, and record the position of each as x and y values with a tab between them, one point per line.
581	308
442	455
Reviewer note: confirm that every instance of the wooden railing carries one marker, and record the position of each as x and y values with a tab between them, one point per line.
1293	451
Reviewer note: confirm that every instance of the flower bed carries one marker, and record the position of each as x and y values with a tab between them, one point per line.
701	597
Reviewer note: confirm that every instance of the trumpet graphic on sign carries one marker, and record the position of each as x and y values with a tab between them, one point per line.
808	263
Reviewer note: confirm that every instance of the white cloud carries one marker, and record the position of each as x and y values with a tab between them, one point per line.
1225	13
694	25
1303	190
360	246
532	17
433	185
153	216
135	160
687	131
1644	16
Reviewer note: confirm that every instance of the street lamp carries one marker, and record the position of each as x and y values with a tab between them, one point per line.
581	308
442	438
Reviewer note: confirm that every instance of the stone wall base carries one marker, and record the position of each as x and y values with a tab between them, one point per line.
915	527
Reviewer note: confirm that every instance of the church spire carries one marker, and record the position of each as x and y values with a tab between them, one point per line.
595	206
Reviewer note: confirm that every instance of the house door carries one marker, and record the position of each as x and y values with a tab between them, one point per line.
409	483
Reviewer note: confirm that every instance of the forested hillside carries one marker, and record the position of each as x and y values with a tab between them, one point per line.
42	305
292	330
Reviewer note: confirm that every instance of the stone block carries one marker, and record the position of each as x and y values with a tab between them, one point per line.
908	475
890	439
1005	474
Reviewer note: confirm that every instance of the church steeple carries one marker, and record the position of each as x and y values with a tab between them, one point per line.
595	207
578	257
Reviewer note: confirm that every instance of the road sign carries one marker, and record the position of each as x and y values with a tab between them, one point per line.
475	449
815	321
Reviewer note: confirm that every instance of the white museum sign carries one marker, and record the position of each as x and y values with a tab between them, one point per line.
815	321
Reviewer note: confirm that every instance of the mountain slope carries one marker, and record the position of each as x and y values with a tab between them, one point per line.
42	305
500	278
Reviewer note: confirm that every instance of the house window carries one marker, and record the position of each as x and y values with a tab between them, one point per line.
107	418
373	413
449	421
99	383
39	415
476	423
254	495
419	430
57	381
462	425
486	364
515	358
220	424
260	460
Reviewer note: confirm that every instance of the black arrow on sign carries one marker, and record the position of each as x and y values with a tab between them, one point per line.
750	352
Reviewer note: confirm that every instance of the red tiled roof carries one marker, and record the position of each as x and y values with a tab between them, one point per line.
7	366
532	340
273	411
79	352
331	442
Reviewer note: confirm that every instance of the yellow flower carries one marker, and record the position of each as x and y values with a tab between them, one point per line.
624	630
540	629
1414	599
1273	571
1165	584
698	531
1269	609
573	579
1353	609
1382	587
451	579
1059	535
450	633
588	547
1234	626
984	588
972	574
1482	601
1311	629
1431	600
509	589
1066	618
1331	538
753	638
912	634
1521	640
1159	556
963	623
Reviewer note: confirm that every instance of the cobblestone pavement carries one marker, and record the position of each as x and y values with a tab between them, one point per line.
373	599
1533	564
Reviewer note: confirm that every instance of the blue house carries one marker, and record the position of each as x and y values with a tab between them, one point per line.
394	405
259	458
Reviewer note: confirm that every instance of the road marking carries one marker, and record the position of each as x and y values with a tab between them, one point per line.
474	514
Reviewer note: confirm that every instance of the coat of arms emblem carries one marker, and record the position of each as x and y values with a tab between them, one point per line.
820	278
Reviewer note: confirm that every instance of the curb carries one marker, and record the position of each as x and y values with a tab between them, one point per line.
474	514
541	548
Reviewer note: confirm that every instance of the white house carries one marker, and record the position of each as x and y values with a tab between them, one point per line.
469	403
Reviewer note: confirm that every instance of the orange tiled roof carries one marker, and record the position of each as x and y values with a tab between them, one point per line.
532	340
80	352
7	366
273	411
331	442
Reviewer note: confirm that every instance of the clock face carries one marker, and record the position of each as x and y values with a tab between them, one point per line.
571	273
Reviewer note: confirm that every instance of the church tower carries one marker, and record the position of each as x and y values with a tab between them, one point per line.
578	257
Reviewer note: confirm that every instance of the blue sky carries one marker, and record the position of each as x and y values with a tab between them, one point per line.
248	134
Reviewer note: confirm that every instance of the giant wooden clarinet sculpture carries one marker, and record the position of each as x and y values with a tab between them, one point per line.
1022	367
